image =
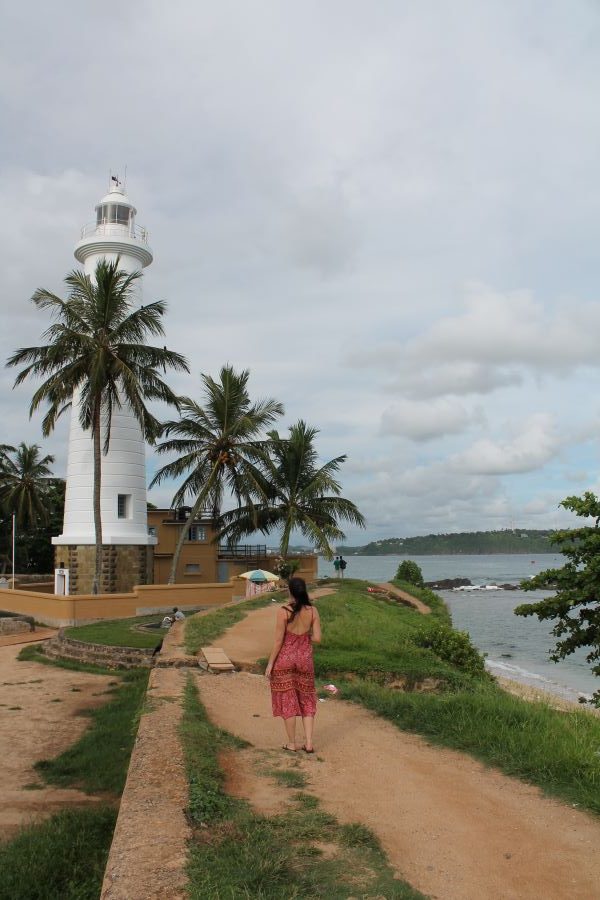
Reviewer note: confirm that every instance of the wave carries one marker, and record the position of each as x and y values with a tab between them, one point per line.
524	676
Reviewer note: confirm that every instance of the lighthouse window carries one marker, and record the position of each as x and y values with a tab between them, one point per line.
112	213
123	506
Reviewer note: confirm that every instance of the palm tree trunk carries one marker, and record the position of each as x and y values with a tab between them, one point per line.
97	486
200	500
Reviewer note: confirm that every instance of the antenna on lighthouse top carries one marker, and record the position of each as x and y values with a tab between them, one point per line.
114	183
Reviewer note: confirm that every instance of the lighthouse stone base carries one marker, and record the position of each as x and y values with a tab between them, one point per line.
123	566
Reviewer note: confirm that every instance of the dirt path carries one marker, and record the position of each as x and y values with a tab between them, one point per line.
252	638
40	716
408	599
451	827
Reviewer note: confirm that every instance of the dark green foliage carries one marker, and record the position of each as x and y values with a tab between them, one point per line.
218	447
100	758
575	606
506	541
454	647
409	571
63	858
248	855
294	492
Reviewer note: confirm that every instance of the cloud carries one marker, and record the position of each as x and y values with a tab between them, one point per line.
535	445
425	421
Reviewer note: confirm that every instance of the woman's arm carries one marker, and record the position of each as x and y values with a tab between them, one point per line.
278	641
316	628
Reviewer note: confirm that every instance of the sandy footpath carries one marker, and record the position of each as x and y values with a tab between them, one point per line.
452	827
40	716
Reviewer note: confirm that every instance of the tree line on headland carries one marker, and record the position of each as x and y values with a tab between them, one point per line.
475	542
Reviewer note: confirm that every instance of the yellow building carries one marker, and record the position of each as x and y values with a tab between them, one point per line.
202	560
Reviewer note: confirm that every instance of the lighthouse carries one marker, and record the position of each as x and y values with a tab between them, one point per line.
127	546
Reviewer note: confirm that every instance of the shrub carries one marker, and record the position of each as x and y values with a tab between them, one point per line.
454	647
411	572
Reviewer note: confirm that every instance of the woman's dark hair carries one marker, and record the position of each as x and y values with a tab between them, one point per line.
298	591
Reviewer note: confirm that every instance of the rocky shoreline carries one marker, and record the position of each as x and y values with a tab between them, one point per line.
453	584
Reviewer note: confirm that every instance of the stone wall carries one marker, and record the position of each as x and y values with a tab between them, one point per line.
61	647
123	567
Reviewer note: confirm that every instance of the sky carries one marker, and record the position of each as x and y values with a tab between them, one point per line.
387	212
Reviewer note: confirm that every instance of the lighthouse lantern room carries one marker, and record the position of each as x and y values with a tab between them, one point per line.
127	546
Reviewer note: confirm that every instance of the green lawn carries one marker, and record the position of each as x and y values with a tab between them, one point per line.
119	632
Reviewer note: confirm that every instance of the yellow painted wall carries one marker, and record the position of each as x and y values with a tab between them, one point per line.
50	609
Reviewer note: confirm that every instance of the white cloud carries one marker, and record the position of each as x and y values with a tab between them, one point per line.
425	421
319	182
528	449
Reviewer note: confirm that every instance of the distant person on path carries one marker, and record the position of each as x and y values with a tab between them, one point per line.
336	566
290	667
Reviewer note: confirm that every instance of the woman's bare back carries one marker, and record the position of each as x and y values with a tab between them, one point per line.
302	621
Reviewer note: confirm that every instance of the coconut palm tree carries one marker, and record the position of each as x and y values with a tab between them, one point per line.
24	484
301	495
219	445
96	356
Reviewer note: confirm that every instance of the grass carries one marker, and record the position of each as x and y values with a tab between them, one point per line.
438	608
375	639
202	630
98	761
118	632
63	858
236	852
366	640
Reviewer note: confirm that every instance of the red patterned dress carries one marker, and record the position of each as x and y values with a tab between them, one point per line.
293	677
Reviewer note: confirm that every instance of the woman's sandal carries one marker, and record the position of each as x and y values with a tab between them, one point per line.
289	749
306	750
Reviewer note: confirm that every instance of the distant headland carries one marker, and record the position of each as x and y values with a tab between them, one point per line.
525	541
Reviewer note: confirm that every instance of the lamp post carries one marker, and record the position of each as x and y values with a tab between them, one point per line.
13	551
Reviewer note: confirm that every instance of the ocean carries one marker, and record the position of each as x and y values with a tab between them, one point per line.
516	648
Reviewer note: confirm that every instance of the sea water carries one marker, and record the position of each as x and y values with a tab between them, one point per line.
516	647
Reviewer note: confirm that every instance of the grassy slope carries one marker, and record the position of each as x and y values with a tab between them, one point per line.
555	750
372	642
243	854
64	857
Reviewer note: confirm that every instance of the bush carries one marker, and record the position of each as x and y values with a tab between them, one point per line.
454	647
411	572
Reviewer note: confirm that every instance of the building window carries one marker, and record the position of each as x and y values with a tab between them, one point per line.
152	530
124	506
197	533
192	569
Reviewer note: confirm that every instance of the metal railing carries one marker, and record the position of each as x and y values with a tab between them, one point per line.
113	229
243	551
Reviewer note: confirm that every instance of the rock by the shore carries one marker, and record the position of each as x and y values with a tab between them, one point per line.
446	584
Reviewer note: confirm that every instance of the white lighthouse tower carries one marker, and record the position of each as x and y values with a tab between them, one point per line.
127	554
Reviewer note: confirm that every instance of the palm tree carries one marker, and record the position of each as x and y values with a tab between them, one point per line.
301	495
219	445
96	356
24	484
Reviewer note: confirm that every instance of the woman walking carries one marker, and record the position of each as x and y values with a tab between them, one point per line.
290	665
